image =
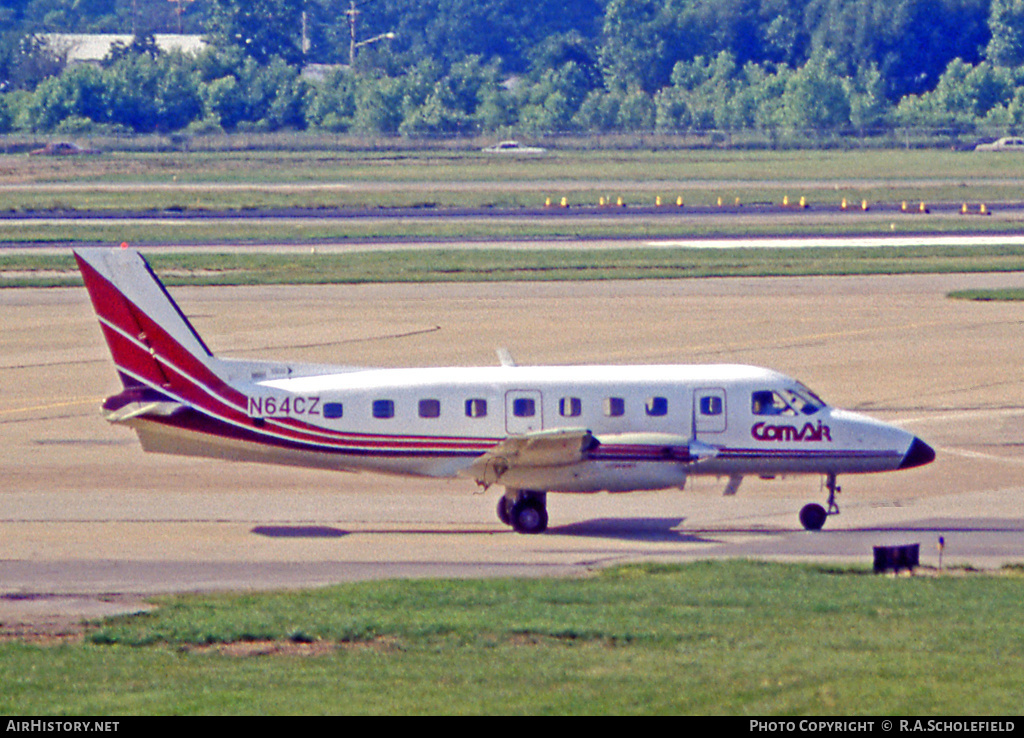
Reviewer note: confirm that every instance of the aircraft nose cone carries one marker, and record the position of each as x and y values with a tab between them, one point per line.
919	454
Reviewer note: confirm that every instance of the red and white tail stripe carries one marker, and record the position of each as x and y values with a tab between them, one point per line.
150	339
162	360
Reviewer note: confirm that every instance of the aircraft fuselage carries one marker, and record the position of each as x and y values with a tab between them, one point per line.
435	422
532	429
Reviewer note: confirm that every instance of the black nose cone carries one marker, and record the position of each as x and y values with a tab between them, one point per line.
919	454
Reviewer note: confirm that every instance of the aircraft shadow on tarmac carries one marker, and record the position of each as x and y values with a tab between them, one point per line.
632	529
645	529
324	531
299	531
665	530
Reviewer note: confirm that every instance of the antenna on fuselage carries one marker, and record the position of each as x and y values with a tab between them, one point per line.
505	356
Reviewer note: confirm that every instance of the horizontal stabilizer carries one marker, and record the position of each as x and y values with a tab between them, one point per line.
138	409
135	402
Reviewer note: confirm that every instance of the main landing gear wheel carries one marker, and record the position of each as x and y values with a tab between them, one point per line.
527	513
529	516
503	511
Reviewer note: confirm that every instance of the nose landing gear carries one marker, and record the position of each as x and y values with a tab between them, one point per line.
813	516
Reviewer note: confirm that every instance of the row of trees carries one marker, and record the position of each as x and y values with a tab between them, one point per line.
619	65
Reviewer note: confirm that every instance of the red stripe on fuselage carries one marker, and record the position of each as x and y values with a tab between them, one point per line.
198	422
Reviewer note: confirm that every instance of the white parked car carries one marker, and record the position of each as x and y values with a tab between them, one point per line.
513	147
1010	143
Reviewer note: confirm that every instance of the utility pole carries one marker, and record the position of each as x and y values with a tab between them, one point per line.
352	14
179	11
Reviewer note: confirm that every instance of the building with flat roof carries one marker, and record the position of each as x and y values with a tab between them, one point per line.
91	48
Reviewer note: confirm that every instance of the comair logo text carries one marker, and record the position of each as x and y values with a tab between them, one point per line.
810	433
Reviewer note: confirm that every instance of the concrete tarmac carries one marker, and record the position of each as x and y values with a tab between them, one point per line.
89	524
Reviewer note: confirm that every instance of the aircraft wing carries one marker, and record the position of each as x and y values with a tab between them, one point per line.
539	449
655	446
564	447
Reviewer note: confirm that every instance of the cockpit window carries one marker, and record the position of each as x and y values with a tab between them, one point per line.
767	402
793	401
805	401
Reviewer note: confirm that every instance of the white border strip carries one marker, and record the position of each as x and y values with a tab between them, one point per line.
798	242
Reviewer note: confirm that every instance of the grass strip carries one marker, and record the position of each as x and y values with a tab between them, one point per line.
430	178
727	637
514	264
1005	295
312	232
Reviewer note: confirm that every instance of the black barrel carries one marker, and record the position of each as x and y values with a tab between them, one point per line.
894	558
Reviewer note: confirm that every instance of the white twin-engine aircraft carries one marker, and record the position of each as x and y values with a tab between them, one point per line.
531	429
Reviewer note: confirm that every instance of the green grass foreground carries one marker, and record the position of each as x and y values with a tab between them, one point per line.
1007	295
741	638
513	264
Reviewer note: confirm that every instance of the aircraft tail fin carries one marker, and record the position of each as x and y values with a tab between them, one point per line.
150	339
163	363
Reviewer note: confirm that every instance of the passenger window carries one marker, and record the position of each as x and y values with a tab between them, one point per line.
656	406
524	407
333	410
614	407
383	408
570	407
476	408
711	406
430	408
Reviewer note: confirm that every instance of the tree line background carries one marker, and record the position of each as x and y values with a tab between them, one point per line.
481	66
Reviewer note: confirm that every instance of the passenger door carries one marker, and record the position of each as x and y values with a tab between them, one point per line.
709	409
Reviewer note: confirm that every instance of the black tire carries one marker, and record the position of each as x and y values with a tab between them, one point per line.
529	516
503	513
813	516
